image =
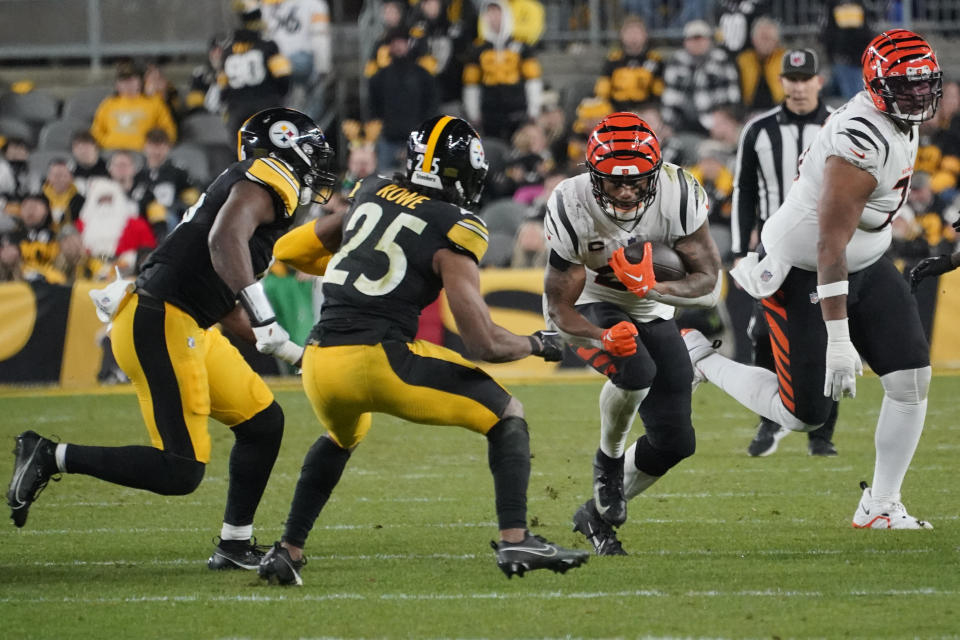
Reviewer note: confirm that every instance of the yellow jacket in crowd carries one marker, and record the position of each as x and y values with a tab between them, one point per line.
122	122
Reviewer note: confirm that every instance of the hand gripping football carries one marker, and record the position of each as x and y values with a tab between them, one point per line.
667	263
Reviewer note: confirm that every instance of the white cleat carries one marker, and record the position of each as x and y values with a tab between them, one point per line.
698	347
874	514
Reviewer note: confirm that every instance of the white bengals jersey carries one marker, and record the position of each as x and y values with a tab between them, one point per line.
868	139
579	231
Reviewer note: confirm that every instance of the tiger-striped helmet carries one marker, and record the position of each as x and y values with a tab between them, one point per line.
623	150
902	76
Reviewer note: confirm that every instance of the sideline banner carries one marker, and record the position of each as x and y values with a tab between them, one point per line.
50	333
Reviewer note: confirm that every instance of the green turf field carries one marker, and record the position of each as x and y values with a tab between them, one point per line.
725	546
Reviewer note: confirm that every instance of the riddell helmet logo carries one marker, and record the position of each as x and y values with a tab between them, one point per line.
282	133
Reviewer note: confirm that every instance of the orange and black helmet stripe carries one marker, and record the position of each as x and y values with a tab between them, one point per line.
623	136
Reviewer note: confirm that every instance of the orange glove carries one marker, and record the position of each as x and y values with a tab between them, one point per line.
620	340
637	278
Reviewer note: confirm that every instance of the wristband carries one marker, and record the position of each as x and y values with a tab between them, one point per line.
255	302
837	329
535	346
832	289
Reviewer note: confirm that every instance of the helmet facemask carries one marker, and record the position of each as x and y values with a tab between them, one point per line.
620	211
318	182
913	99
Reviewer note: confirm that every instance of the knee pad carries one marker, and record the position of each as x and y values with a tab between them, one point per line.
183	475
908	385
675	445
509	435
264	428
636	372
656	459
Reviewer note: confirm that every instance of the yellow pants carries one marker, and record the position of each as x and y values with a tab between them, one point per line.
183	374
417	381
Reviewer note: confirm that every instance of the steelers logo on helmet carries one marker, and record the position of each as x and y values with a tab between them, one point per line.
478	159
624	159
282	133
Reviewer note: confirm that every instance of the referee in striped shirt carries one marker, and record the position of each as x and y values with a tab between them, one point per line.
767	159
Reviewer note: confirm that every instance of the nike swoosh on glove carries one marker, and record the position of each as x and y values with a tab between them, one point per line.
620	340
637	278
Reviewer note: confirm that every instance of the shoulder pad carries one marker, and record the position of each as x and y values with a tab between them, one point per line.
275	175
469	234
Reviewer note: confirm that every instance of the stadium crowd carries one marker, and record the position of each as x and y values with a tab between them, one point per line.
95	181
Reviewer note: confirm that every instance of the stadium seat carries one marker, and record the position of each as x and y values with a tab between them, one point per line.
496	152
56	135
82	105
499	250
503	216
35	107
16	128
192	158
205	129
40	160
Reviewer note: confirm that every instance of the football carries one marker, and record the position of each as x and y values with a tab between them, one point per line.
667	263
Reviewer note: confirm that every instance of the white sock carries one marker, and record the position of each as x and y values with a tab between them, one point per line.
60	455
898	433
754	387
233	532
618	408
635	481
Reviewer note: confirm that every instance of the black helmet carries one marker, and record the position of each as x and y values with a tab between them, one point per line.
445	154
293	138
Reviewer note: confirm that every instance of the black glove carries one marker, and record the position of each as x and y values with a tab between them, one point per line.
547	345
929	268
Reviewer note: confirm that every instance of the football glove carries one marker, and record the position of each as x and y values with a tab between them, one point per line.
273	339
928	268
620	340
546	345
637	278
843	362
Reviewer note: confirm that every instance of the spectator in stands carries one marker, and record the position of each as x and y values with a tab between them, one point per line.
123	168
759	67
172	187
361	162
530	247
87	161
111	224
157	85
846	33
255	75
15	178
392	17
697	79
529	21
920	231
11	264
502	84
301	29
736	23
62	194
73	262
431	34
529	162
204	93
123	119
401	96
590	111
633	73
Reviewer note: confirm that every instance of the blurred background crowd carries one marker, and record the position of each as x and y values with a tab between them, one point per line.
95	171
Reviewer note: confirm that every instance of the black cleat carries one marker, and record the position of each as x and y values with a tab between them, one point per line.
236	554
821	447
600	534
608	488
769	435
34	465
278	565
533	553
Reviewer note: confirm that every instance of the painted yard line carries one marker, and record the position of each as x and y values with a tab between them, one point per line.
378	557
495	595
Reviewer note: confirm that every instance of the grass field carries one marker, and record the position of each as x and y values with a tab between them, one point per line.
726	546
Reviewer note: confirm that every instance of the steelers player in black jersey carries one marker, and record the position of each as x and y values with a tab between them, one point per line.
182	368
401	241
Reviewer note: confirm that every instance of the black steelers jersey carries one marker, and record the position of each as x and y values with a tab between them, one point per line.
180	271
377	283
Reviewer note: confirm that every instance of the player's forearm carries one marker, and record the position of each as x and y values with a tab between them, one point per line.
570	321
231	261
498	345
692	286
832	270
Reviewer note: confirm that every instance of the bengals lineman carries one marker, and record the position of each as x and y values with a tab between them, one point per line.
182	368
397	245
829	293
616	315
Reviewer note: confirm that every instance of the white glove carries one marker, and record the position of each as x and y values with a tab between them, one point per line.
843	362
274	340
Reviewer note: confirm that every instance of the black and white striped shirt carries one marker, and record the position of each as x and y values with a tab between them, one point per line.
767	155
